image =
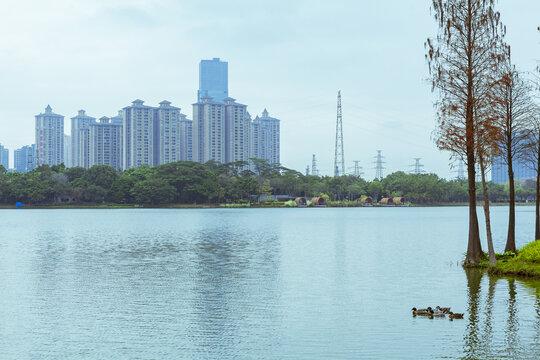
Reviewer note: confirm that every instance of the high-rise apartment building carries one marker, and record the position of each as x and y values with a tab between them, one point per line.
80	139
4	157
138	135
213	80
167	141
105	139
237	131
186	138
208	131
24	158
265	137
49	138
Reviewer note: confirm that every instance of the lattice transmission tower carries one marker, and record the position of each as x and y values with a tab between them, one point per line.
379	165
314	170
357	169
339	159
417	167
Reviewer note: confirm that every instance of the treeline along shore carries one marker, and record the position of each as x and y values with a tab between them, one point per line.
188	183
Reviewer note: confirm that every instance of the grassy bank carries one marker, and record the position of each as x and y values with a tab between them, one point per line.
526	263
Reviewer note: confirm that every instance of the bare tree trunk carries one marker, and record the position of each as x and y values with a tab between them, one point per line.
511	239
474	248
491	251
537	227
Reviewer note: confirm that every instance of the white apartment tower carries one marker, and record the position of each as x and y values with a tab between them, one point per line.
106	143
167	140
237	131
208	131
138	135
265	136
80	139
186	138
49	138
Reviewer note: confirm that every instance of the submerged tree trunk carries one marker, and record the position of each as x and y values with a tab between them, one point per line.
491	251
511	239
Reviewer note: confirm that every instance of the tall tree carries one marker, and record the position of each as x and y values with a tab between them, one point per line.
513	108
460	59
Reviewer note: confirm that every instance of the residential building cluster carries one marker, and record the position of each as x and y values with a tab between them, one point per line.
221	130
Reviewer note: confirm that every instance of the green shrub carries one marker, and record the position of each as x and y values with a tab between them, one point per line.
530	252
290	203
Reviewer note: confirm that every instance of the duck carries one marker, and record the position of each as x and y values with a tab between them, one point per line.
451	315
437	313
445	310
416	311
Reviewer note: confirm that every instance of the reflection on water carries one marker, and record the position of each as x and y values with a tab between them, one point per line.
480	342
255	284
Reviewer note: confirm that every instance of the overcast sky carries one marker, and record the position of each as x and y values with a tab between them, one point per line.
290	57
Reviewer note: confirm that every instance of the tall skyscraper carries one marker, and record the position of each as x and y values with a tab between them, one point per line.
24	158
106	143
237	131
80	139
67	151
213	80
138	137
4	157
186	138
49	138
265	138
167	141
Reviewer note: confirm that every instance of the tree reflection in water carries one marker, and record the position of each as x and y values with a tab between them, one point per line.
479	341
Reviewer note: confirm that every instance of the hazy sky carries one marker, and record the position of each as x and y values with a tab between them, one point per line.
288	56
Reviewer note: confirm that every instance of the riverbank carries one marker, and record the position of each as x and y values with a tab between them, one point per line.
526	263
221	206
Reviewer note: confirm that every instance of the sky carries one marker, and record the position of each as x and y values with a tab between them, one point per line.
290	57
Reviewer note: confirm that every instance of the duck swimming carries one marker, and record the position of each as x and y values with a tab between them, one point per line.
445	310
451	315
437	313
416	311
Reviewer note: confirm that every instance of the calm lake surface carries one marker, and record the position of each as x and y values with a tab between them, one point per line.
257	284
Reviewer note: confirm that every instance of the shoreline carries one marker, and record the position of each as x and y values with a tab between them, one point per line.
224	206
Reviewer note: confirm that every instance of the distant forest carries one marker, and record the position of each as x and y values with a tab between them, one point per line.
187	182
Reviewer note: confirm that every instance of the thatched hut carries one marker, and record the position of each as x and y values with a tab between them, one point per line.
301	201
399	200
387	201
365	200
318	201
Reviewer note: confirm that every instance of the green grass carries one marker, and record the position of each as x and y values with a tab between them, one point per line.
525	263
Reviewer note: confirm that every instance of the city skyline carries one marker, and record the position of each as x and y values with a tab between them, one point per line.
387	102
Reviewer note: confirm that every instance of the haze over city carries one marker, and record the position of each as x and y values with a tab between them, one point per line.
289	58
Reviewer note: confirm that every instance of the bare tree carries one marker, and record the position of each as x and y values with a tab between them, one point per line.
514	107
460	60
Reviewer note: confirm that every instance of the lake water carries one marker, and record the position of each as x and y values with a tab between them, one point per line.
257	284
